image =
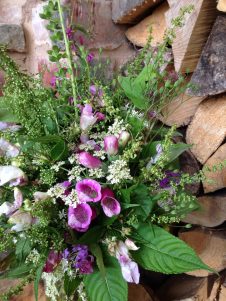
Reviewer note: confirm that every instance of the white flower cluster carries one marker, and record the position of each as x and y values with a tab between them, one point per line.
51	281
56	167
81	292
96	173
136	114
33	257
118	172
62	214
75	173
56	191
73	158
71	199
117	127
100	154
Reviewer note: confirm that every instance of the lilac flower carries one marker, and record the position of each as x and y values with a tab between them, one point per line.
80	258
88	160
69	33
79	218
109	204
12	174
52	261
129	268
111	145
88	190
124	138
93	90
170	177
90	57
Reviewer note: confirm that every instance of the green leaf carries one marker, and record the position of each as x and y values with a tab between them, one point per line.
111	287
23	248
59	151
162	252
97	252
134	93
70	285
176	150
36	281
92	236
18	272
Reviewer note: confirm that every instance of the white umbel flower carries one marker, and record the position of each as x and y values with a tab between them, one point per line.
118	172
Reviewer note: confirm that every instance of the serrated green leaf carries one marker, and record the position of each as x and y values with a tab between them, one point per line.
111	287
23	248
97	252
92	235
162	252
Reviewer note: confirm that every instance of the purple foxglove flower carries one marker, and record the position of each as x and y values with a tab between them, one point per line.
79	218
20	220
8	149
109	204
12	174
93	90
90	57
8	208
124	138
52	261
87	118
88	160
88	190
111	145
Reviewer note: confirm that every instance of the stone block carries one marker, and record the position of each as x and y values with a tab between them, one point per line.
129	11
12	35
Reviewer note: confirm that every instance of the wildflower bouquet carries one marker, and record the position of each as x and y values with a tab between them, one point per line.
89	179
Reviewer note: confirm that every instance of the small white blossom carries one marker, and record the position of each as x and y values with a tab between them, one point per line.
62	214
136	114
118	171
81	292
71	199
86	147
72	159
75	173
51	284
100	154
96	173
117	127
56	167
33	257
56	191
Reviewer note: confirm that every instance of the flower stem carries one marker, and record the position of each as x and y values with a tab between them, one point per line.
69	57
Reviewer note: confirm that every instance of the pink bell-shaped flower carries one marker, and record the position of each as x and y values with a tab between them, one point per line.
79	218
109	203
88	160
88	190
111	145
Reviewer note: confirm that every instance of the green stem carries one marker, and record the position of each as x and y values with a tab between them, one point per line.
69	56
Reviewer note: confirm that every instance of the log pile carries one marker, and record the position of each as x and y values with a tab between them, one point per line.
199	51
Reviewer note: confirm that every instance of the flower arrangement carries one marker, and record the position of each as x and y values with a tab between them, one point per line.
89	178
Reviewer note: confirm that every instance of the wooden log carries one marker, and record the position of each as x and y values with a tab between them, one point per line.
129	11
171	2
138	292
191	38
216	179
210	246
209	77
221	6
139	34
212	211
180	111
180	287
208	128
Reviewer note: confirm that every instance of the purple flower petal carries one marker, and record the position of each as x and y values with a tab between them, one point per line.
90	57
130	272
88	190
87	118
52	261
109	204
79	218
111	145
93	90
88	160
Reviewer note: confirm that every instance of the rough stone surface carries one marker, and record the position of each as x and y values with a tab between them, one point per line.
212	211
209	77
12	35
215	179
139	34
128	11
208	128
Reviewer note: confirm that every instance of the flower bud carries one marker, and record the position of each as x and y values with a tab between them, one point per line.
88	160
124	138
111	145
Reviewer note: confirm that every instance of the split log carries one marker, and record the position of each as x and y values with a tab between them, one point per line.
139	34
209	76
210	246
138	292
208	128
212	211
218	292
221	6
181	287
215	180
191	38
172	2
180	111
129	11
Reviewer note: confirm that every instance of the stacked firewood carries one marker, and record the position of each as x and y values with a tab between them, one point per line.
199	51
